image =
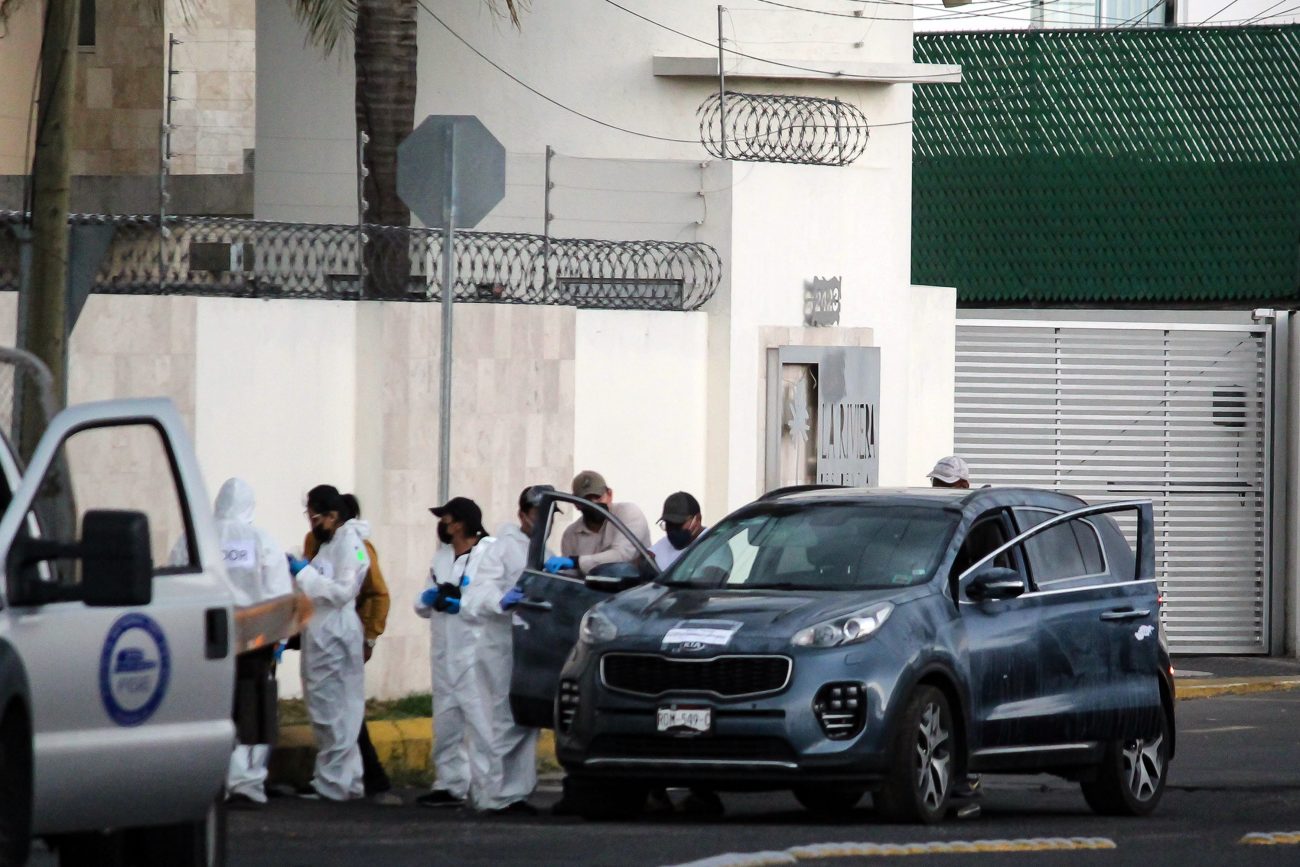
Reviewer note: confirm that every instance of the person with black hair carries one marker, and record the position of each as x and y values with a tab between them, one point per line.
332	642
372	607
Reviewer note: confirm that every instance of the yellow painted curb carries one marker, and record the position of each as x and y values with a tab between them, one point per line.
1276	838
1209	688
405	745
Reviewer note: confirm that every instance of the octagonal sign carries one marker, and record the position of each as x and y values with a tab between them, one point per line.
451	153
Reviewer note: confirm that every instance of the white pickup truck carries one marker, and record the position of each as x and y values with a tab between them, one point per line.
117	675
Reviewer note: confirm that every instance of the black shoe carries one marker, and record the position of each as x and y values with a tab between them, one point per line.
564	807
518	808
439	798
702	802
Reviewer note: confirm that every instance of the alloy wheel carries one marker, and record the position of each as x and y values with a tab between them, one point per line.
933	757
1144	766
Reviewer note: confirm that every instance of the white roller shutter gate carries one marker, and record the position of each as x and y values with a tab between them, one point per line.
1176	413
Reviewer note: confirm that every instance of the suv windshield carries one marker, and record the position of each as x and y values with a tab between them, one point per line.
819	547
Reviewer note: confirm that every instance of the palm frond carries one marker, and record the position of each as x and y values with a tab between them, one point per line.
327	21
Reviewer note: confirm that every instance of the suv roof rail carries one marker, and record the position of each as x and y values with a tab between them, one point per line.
775	493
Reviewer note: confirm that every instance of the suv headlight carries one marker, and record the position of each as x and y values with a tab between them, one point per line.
596	628
858	626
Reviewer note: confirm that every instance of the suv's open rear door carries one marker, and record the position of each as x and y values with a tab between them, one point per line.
546	621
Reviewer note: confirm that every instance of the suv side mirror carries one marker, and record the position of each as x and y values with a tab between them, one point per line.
995	582
116	563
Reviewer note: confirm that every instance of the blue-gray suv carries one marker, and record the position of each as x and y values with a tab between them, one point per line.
840	641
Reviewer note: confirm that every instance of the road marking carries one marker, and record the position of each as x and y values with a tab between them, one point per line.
1272	838
817	851
1218	730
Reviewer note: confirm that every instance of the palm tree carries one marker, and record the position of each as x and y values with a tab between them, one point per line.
385	51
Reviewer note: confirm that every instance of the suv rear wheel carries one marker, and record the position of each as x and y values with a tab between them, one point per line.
829	800
924	763
15	788
1131	779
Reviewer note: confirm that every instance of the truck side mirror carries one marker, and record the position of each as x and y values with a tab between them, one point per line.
116	563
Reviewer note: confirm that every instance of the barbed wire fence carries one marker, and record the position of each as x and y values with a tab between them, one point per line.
782	128
220	256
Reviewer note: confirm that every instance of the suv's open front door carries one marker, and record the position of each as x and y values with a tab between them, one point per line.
546	621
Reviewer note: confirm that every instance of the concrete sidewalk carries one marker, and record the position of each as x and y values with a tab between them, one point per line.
406	745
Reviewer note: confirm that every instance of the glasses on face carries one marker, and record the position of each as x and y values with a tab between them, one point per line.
669	525
312	517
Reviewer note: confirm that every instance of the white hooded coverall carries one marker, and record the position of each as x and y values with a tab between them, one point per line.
513	755
456	706
257	571
333	679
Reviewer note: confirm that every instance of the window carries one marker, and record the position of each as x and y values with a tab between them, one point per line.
820	547
985	536
1066	551
119	467
86	24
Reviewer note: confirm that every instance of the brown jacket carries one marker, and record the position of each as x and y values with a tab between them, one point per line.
372	601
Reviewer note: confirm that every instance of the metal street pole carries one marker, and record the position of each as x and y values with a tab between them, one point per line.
448	286
722	91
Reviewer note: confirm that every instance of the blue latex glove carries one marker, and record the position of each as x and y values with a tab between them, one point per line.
428	597
555	564
451	604
512	598
296	564
279	650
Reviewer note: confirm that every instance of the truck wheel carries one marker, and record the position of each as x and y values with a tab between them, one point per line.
15	788
1132	775
924	762
187	844
829	800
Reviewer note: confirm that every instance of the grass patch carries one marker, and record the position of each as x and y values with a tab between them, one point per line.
293	711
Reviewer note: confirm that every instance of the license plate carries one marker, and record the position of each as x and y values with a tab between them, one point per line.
685	720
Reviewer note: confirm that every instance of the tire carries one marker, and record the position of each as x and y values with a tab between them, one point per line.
924	762
187	844
829	800
15	789
606	802
1131	778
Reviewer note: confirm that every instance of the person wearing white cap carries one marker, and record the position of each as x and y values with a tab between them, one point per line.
950	472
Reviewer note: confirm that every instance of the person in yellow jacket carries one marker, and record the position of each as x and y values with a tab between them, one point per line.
372	607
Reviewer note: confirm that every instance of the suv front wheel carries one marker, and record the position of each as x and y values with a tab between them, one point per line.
1132	775
924	763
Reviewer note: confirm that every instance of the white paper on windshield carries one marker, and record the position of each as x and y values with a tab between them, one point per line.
701	633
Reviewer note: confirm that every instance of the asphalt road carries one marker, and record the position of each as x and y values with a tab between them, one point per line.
1237	772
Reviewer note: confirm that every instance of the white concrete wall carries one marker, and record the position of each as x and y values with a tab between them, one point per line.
640	394
276	401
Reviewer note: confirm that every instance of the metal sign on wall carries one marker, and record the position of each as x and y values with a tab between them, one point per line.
822	416
821	302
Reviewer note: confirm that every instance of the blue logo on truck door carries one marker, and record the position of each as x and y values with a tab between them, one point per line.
134	668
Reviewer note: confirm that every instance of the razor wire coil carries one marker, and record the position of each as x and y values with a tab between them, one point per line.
220	256
778	128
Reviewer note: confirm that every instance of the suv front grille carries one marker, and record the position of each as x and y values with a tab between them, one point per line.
652	675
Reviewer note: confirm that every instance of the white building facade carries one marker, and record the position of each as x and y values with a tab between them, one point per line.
347	392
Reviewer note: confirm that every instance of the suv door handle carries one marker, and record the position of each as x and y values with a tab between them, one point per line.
536	604
1125	614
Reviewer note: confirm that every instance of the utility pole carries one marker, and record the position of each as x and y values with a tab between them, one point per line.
43	319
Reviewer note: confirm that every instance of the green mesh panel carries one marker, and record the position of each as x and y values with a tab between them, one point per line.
1138	166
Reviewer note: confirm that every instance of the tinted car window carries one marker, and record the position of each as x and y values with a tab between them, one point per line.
1066	551
820	547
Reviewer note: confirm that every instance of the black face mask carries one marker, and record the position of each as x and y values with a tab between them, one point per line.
322	535
679	537
592	517
444	535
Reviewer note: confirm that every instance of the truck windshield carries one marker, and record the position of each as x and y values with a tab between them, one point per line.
819	547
